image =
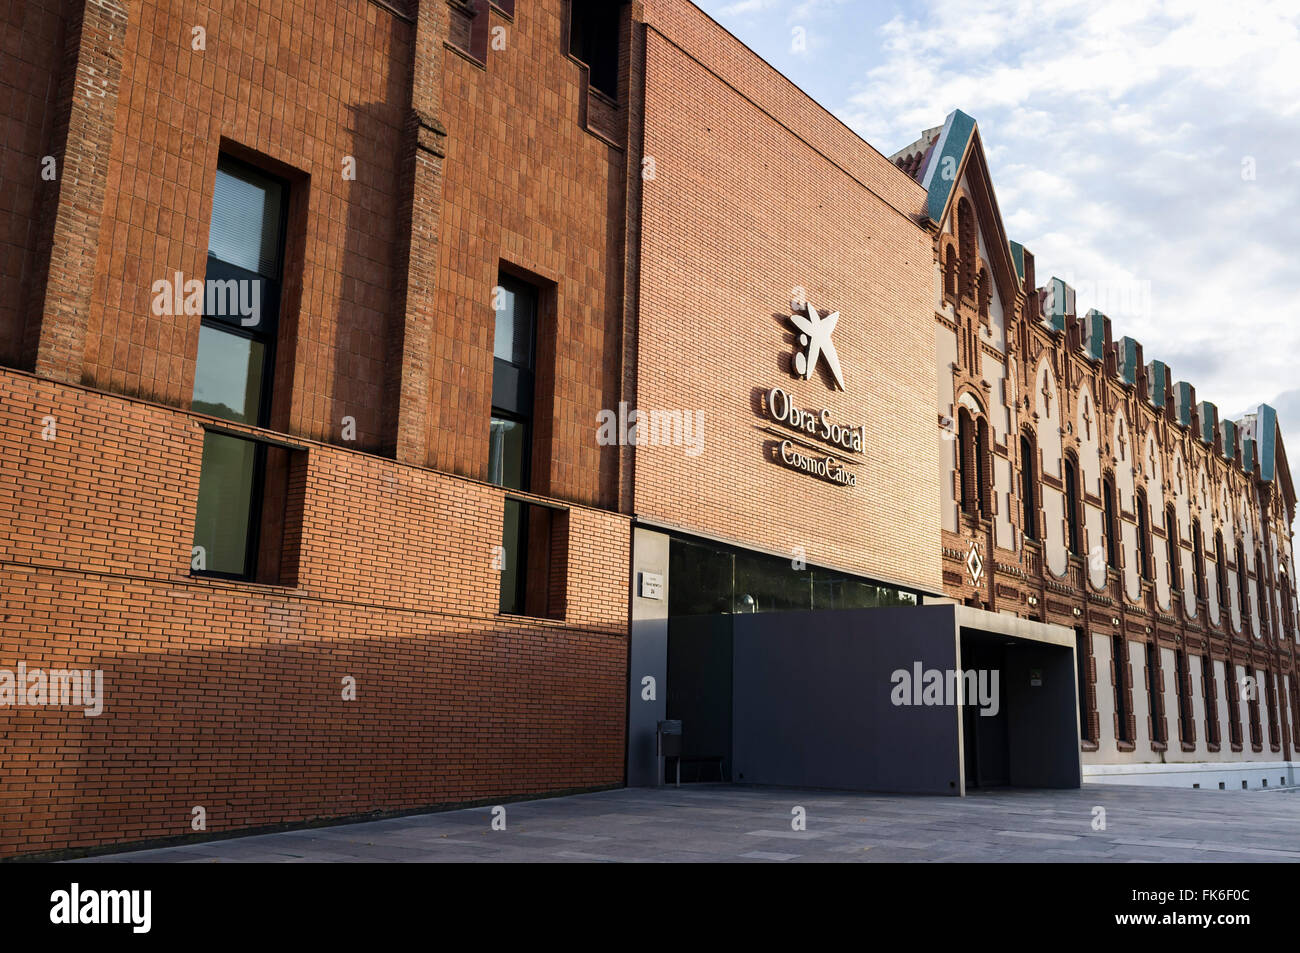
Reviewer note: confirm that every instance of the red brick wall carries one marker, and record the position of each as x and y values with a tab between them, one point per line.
34	33
228	695
527	184
744	207
301	85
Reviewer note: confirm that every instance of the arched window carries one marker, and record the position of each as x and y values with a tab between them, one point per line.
983	474
950	272
983	293
1074	538
1198	562
1174	549
1028	486
1288	620
1111	517
1260	584
966	460
1221	570
966	239
1242	605
1145	569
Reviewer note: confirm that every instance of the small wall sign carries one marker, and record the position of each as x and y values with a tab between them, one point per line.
650	585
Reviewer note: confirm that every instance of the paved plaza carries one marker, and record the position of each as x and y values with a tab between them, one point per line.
704	823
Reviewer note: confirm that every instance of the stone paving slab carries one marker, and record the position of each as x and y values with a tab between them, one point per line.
741	824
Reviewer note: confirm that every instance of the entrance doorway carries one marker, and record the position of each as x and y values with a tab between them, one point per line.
984	729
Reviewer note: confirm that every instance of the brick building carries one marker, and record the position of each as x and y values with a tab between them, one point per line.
1084	486
412	403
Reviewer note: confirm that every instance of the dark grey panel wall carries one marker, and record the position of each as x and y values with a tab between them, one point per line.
699	685
648	655
1043	720
812	700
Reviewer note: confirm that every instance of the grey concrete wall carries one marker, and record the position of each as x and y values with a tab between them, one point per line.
812	700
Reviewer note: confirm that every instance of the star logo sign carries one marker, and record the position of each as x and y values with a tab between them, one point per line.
815	335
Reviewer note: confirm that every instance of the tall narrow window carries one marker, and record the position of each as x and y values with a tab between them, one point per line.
1221	575
1274	724
1119	665
1288	620
1209	689
1145	568
241	295
1234	703
950	272
1243	606
1028	486
510	443
968	462
239	516
1252	707
594	39
1294	694
1112	522
1074	539
1155	695
966	238
1198	562
983	468
1182	683
1174	549
1260	587
513	354
1083	661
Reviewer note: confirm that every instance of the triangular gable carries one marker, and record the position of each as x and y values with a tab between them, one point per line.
958	151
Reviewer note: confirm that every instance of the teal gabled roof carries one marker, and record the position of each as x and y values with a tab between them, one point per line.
1248	454
1128	360
1018	259
1060	302
1183	403
1157	383
1266	434
1207	413
939	177
1229	431
1094	335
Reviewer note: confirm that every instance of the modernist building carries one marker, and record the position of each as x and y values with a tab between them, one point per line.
409	404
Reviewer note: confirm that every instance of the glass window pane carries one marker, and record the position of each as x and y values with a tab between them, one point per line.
513	340
507	453
699	579
766	584
226	480
512	569
246	209
228	375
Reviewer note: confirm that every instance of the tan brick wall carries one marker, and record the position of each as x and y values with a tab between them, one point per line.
743	208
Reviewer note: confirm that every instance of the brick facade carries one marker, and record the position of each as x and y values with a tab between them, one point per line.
228	695
718	270
1055	394
468	160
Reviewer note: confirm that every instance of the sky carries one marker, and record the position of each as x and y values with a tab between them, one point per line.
1146	152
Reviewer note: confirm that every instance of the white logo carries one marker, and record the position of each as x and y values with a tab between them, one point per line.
816	337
